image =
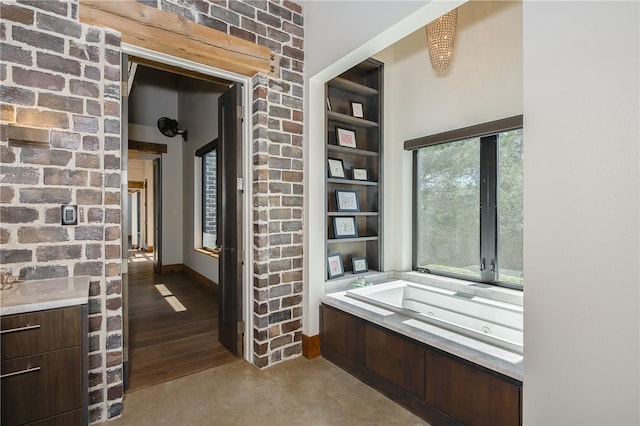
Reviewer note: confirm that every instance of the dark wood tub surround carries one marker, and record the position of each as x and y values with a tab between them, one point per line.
439	387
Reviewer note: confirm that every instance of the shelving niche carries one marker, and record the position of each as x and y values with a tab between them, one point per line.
361	84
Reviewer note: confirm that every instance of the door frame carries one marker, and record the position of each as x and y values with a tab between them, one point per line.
247	171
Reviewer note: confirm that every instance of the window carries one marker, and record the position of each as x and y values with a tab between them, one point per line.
208	155
468	203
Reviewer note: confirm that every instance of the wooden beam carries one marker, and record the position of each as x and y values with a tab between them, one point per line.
151	28
153	148
135	184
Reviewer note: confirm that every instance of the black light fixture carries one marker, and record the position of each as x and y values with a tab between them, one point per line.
169	128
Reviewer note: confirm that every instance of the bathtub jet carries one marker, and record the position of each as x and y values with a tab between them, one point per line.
490	321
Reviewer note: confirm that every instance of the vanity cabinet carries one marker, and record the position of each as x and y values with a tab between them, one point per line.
435	385
361	164
44	367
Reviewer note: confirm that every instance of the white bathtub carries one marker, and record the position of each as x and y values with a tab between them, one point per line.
491	321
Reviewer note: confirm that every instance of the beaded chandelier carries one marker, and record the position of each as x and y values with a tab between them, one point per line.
441	35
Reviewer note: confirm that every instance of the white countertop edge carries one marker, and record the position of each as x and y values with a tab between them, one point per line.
42	306
39	295
395	323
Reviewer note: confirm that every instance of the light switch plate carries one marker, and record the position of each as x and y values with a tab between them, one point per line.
69	214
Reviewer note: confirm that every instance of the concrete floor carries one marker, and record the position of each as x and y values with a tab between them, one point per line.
296	392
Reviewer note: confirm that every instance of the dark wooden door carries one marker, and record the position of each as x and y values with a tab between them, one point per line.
157	216
229	219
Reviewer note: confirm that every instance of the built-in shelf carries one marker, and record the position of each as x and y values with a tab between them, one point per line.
347	119
362	85
351	86
351	151
352	182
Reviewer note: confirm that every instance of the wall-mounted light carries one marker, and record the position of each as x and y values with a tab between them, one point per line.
441	35
25	137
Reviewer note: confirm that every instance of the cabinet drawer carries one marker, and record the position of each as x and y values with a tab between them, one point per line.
37	332
39	386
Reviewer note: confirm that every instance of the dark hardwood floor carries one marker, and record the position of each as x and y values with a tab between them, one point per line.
165	344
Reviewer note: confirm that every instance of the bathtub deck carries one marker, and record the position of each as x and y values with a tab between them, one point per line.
492	357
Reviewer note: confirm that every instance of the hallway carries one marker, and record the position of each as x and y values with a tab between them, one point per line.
173	325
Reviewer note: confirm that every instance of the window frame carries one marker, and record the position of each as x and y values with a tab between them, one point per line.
202	152
487	133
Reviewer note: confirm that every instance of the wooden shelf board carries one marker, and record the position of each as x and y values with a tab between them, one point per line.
347	119
351	151
352	214
351	240
349	274
351	86
352	182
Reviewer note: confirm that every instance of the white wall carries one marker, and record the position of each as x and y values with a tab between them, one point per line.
483	83
198	113
581	109
153	96
172	208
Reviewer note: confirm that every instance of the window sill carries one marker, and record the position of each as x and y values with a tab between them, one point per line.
212	253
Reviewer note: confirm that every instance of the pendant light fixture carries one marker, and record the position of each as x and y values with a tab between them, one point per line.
441	35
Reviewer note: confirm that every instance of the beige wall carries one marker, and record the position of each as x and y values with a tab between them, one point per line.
483	83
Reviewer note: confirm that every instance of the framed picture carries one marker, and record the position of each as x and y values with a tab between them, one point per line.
345	227
334	264
360	174
359	265
346	137
347	200
357	110
336	169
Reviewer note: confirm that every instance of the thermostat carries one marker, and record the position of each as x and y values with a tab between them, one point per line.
69	215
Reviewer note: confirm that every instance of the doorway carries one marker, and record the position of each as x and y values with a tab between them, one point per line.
180	253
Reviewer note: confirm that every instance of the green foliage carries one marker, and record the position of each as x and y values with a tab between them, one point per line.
448	205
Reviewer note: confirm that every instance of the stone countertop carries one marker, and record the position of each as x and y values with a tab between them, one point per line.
38	295
492	357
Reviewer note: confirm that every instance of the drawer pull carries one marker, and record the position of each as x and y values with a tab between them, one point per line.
15	373
25	328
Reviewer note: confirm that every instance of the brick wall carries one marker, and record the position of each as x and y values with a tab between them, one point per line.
63	75
209	222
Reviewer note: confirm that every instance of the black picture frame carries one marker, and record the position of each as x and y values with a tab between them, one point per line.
359	174
336	168
347	200
346	137
345	227
357	109
334	265
359	265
